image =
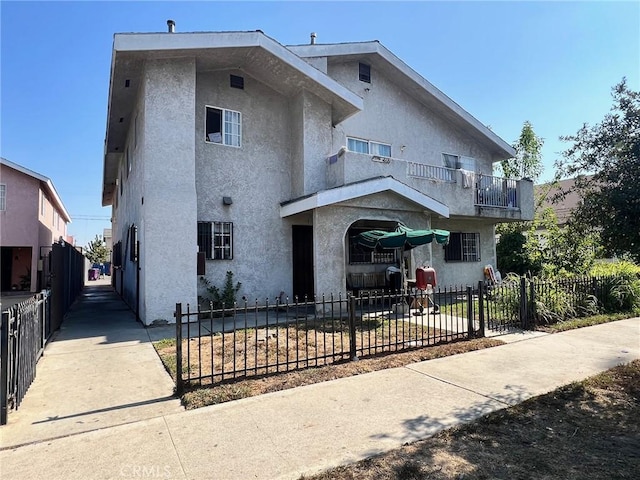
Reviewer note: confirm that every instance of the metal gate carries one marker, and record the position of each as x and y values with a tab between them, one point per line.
505	306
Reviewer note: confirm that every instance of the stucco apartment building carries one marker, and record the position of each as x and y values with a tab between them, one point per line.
32	218
227	151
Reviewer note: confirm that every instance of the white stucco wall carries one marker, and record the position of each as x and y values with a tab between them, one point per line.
130	210
169	244
257	176
392	116
464	273
332	224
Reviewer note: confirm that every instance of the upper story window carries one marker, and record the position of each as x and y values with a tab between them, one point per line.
223	126
215	239
364	72
43	208
459	162
3	197
56	219
462	247
366	146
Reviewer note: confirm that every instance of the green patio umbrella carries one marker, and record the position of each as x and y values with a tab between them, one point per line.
403	237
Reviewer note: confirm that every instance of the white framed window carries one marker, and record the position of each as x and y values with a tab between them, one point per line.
3	197
462	247
55	218
223	126
43	208
459	162
215	239
369	147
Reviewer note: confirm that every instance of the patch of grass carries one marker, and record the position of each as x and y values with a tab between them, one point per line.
164	343
585	430
219	394
573	323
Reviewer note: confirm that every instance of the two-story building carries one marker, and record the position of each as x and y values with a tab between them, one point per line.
228	151
32	218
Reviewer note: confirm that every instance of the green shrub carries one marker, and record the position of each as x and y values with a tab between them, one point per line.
619	293
621	268
225	298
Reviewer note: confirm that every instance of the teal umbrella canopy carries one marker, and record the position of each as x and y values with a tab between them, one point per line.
403	237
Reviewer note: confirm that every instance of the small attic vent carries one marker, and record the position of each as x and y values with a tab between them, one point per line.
236	82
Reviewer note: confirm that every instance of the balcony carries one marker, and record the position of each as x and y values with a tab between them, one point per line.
465	193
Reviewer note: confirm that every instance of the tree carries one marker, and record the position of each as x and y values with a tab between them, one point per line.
514	237
610	150
96	251
528	160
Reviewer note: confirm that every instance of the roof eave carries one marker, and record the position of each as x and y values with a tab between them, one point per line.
351	191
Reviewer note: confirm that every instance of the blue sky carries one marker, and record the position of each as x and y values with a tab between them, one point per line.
552	63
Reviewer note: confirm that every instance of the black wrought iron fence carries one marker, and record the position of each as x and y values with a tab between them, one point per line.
214	346
520	302
23	335
67	280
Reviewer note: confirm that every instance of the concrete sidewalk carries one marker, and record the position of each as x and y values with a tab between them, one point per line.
305	430
99	370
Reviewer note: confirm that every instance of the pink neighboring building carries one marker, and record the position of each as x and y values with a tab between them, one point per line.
32	217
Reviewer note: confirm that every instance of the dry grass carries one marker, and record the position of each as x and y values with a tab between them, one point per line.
198	396
251	352
587	430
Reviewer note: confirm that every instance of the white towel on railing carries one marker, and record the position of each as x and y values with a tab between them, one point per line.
467	178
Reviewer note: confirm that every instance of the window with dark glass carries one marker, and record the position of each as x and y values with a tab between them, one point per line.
223	126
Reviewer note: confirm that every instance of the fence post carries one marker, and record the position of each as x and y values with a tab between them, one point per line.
352	327
470	311
481	332
524	323
4	367
178	315
532	305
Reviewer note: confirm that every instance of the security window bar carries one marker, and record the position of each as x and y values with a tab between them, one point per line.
215	240
364	72
133	238
463	247
223	126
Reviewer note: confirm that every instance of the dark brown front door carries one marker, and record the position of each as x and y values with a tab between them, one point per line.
302	240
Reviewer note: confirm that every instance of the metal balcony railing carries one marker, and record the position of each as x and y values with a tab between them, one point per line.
496	192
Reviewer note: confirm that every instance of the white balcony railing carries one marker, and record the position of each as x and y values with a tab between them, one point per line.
460	189
433	172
